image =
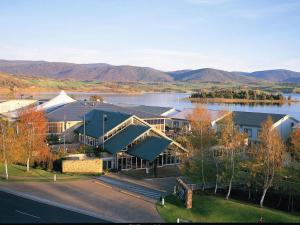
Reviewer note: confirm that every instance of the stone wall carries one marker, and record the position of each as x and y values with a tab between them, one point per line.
82	166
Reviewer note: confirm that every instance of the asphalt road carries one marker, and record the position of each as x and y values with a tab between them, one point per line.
14	209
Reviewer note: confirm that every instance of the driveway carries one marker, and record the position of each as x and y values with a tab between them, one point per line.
90	195
15	209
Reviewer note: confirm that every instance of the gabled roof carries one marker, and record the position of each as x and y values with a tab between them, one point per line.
149	148
125	137
254	119
57	101
74	111
94	122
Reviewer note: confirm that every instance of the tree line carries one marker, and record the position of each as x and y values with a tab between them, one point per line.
24	140
238	94
222	159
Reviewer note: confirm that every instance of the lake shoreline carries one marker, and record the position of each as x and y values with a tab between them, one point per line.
242	101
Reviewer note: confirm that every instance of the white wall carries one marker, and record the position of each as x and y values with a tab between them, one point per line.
284	126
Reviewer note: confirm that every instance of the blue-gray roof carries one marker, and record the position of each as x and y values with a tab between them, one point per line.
125	137
149	148
254	119
74	111
94	122
157	110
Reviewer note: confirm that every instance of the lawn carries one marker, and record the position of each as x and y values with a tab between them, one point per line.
208	209
18	173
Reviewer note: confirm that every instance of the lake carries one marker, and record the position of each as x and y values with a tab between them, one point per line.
176	100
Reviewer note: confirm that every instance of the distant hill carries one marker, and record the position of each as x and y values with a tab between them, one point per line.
276	75
211	75
97	71
8	81
106	72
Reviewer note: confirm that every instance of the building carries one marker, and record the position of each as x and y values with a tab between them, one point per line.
157	110
64	119
129	141
180	120
56	102
297	126
9	109
250	123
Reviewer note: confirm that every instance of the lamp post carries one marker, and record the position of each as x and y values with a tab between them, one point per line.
84	125
65	133
104	118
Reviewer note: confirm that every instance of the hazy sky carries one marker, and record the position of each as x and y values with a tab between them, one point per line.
233	35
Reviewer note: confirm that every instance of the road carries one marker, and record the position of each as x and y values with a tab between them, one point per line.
16	209
108	203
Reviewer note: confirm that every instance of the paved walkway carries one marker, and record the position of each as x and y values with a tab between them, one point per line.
160	184
92	196
133	187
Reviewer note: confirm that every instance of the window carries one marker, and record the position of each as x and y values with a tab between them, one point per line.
292	124
258	132
248	131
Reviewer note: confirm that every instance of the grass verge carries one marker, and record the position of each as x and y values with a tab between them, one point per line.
214	209
19	173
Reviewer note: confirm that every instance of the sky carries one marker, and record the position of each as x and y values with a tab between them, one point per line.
233	35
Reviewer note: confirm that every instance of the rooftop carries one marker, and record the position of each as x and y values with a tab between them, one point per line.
183	115
254	119
145	149
57	101
74	111
157	110
125	137
94	122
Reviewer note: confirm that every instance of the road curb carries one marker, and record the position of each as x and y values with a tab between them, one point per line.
60	205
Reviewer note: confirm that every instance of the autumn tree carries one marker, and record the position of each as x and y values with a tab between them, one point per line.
269	155
216	153
291	172
7	140
250	169
231	141
96	98
294	144
32	131
202	134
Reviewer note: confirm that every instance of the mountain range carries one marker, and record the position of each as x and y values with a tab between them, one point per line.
124	73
